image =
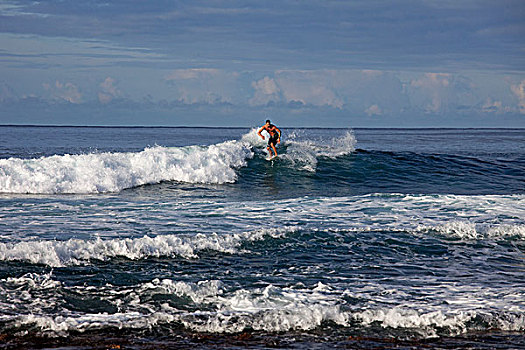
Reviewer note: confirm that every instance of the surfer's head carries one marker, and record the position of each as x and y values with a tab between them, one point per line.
268	121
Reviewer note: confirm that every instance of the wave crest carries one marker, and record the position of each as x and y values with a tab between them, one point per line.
78	252
113	172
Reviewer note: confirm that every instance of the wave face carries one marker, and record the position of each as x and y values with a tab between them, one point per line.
403	238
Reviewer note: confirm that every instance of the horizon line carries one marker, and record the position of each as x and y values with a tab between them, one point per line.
246	127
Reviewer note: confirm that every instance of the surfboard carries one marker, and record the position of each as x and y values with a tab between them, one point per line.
271	157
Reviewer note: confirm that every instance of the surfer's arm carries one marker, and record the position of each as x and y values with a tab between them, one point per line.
279	131
259	132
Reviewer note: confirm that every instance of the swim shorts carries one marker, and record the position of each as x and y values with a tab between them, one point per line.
273	139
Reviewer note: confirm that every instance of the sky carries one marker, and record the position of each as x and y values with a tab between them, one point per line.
324	63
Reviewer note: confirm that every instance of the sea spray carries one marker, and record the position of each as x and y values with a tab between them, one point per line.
304	153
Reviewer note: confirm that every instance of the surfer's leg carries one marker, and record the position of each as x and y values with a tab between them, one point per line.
274	150
270	152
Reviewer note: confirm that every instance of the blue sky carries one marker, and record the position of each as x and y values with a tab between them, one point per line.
425	63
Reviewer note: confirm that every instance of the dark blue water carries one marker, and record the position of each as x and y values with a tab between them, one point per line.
188	237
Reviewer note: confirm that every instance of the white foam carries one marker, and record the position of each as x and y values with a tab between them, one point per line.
274	309
457	216
33	281
60	325
472	230
254	139
302	318
113	172
305	153
408	318
270	309
199	292
76	251
427	323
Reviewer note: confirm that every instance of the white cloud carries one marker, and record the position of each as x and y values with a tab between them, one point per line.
205	85
266	86
432	80
108	91
192	73
7	93
519	91
317	88
432	91
374	110
12	9
372	73
266	90
355	90
64	91
492	106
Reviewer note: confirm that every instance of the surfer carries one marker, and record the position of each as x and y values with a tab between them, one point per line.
275	137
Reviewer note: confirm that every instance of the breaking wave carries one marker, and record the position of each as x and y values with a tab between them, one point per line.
270	308
113	172
77	252
116	171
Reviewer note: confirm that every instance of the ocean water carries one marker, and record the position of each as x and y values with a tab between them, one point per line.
188	238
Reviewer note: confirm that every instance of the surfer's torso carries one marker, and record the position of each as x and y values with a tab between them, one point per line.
272	130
